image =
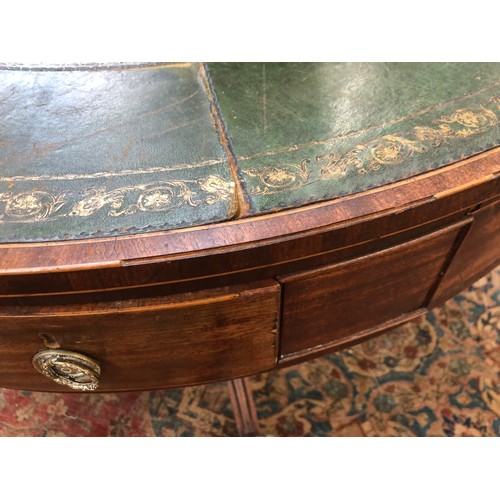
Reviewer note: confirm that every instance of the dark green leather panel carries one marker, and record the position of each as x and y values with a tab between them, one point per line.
304	132
88	152
108	152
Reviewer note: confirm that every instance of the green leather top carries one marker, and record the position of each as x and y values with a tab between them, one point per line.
98	151
309	132
95	152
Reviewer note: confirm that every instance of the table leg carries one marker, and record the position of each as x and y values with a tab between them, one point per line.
245	414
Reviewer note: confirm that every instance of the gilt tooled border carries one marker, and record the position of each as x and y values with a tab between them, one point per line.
165	196
161	196
383	151
36	205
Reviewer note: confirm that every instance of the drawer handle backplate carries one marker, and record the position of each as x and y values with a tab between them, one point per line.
72	369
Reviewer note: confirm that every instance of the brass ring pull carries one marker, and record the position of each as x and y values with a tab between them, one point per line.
72	369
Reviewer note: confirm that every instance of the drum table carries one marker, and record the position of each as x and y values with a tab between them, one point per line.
165	225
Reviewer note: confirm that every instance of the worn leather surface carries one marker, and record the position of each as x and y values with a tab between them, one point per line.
89	152
304	132
109	151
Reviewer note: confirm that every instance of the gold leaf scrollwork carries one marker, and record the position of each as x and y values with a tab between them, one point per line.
217	189
495	100
95	199
473	121
157	199
32	206
278	178
35	205
165	197
392	149
387	150
334	166
434	137
461	123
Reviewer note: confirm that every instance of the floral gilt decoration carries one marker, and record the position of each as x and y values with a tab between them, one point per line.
166	196
384	151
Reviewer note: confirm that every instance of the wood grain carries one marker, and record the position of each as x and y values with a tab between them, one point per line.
335	302
245	413
478	254
184	340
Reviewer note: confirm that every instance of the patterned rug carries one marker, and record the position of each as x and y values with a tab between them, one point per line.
437	376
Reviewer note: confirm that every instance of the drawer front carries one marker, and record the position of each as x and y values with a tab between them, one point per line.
330	304
478	254
188	339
